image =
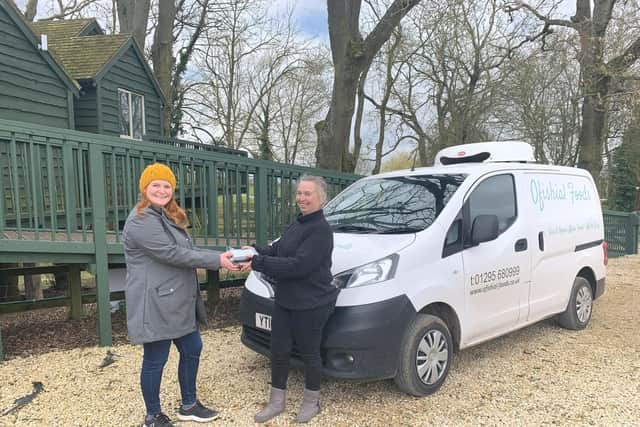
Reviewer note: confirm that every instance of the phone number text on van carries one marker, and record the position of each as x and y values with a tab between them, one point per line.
493	275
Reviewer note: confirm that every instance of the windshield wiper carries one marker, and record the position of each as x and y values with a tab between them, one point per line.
354	228
400	230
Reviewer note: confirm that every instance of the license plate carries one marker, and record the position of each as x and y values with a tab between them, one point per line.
263	321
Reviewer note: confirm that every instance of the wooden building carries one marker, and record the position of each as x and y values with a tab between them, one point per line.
33	86
119	94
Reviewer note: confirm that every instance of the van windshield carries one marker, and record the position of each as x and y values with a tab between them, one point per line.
394	205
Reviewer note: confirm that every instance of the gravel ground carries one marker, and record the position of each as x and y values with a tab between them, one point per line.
541	375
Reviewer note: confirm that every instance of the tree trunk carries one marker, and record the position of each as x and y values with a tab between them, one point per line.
592	29
162	57
350	54
133	16
592	135
265	145
32	288
31	10
357	135
334	131
173	109
389	81
422	150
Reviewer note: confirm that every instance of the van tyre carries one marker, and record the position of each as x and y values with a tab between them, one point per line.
578	312
425	356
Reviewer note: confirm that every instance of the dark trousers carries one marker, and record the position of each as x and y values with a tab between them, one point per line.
155	357
304	327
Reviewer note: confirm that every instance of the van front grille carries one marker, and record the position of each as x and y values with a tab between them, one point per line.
263	339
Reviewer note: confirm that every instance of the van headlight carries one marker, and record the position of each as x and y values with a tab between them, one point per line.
367	274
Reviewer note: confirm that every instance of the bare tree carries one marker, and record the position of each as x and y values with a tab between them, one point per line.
244	58
388	78
299	101
598	75
385	73
190	22
212	99
352	55
450	71
178	25
133	16
58	9
540	102
274	66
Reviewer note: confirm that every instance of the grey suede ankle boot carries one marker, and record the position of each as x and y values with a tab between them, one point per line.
276	404
310	406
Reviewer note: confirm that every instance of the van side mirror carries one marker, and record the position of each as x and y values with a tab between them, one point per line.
484	229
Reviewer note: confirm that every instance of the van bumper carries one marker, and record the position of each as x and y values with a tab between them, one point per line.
599	288
359	342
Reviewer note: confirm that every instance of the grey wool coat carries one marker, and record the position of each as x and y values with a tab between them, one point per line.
161	282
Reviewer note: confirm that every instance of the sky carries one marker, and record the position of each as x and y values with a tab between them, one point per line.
311	15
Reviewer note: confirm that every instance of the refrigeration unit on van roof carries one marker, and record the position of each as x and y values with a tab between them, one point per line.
486	152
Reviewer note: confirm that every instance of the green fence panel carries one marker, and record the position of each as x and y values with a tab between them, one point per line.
48	187
66	195
621	230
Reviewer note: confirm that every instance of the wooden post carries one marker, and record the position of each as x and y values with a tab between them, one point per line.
213	288
99	207
1	348
632	224
260	206
75	287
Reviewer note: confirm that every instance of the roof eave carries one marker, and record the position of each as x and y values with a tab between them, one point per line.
16	16
130	42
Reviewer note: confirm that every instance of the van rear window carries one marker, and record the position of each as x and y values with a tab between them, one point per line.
394	205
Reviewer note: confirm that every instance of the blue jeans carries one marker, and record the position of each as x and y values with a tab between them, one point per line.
155	357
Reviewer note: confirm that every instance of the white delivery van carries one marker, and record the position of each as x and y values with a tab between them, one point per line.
440	258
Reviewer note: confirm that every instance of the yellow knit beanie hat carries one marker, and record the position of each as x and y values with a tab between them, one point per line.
156	171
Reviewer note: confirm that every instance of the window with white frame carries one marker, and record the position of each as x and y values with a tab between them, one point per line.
131	114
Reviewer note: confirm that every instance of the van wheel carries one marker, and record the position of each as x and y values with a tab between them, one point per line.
578	312
425	356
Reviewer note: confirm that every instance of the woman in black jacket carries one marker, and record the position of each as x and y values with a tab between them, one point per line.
300	263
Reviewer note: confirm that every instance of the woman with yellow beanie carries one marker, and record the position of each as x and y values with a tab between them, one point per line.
163	295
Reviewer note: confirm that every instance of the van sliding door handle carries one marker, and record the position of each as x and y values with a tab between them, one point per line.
541	241
521	245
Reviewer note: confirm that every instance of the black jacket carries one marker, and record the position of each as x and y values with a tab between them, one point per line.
300	263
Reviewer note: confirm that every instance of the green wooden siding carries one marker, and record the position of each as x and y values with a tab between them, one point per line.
129	74
30	90
86	113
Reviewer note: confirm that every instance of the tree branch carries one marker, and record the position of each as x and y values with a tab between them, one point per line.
518	5
382	31
623	62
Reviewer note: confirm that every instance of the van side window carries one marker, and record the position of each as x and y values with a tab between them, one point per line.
453	240
454	234
495	196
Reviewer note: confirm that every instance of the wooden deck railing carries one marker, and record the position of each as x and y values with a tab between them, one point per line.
66	194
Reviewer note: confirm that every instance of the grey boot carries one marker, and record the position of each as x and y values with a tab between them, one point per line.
276	404
310	406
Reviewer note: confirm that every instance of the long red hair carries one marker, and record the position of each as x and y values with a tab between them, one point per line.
171	209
